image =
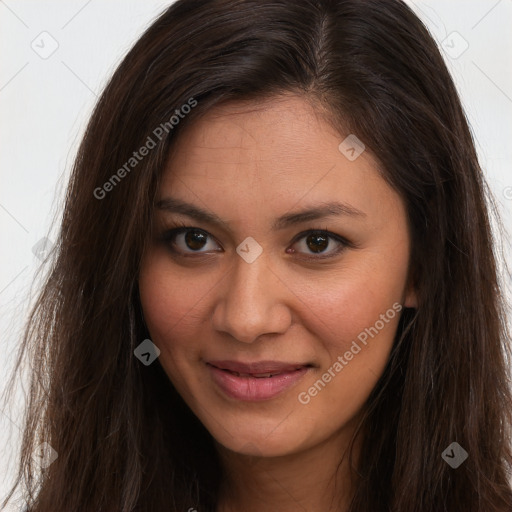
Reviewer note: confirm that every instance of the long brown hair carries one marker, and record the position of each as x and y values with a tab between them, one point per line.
125	439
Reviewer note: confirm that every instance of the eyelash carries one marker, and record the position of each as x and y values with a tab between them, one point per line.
168	238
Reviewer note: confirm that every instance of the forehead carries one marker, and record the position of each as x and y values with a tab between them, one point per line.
273	137
269	154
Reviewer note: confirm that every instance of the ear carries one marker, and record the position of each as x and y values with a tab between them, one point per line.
411	297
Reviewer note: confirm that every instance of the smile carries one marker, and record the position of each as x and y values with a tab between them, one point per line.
255	381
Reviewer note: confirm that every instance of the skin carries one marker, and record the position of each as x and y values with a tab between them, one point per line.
249	163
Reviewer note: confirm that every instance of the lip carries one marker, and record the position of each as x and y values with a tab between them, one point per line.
248	387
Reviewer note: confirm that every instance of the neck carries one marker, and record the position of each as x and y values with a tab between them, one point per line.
317	478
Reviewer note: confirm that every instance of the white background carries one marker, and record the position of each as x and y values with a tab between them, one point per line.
45	103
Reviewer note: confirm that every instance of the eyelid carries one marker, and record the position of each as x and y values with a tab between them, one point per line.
323	231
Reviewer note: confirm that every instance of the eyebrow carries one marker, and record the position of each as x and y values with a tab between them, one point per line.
330	209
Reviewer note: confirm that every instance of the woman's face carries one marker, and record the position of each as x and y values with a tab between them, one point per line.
294	264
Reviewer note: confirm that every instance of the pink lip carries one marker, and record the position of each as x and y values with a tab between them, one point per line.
251	388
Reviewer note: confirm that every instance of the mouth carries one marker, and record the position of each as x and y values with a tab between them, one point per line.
257	381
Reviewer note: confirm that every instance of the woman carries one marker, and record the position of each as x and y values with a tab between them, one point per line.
274	287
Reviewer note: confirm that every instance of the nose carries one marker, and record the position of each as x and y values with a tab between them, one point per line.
251	302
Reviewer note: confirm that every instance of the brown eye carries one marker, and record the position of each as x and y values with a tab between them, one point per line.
320	242
317	243
195	240
189	240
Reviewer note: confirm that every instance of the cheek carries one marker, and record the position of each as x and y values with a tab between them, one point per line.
340	305
355	323
172	301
